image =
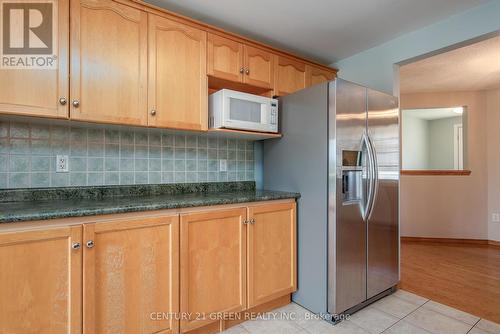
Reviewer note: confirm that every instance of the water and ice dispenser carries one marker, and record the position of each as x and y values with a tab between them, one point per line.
352	176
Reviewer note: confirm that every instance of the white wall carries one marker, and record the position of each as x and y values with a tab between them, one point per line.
415	142
375	67
493	153
450	206
454	206
441	142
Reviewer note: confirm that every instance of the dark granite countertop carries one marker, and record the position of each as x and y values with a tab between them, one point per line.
40	204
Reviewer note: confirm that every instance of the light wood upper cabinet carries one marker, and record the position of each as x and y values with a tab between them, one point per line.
213	264
37	92
108	62
238	62
259	67
40	277
225	58
271	252
130	273
289	77
316	75
177	90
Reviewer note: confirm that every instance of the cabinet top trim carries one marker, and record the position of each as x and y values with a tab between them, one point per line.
218	31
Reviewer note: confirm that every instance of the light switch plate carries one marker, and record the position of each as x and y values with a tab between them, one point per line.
62	164
495	217
222	165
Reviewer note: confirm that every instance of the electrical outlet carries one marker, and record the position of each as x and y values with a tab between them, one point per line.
495	217
62	164
222	165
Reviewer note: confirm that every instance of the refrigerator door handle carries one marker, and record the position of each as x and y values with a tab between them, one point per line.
370	177
374	176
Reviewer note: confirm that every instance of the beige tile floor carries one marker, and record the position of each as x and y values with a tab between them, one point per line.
399	313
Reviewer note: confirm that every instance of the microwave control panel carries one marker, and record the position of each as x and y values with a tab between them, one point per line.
274	112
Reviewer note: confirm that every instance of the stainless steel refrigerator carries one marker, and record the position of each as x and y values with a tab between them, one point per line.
340	150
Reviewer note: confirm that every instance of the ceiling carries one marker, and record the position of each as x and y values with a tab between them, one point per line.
433	113
470	68
324	30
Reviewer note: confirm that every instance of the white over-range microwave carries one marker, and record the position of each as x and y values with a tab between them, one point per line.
241	111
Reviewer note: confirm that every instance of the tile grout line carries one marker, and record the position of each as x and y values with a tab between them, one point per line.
474	325
415	310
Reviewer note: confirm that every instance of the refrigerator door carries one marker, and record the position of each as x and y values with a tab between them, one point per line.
347	184
383	220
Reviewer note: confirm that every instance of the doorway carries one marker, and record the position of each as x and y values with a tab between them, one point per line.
450	177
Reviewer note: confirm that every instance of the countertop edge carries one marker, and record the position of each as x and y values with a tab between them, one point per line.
206	201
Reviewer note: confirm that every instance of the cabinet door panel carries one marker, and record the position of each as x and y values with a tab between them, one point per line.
130	273
108	62
225	58
271	252
177	75
213	270
290	76
259	67
317	75
40	277
37	92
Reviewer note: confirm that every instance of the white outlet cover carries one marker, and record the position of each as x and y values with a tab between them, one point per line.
62	164
495	217
222	165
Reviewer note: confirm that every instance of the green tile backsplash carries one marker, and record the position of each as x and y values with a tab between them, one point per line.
110	155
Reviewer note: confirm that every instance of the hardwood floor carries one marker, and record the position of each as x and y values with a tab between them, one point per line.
466	277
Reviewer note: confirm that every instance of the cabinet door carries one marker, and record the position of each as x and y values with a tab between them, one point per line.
40	275
271	252
290	76
36	92
130	274
213	265
225	58
178	91
108	62
259	67
316	75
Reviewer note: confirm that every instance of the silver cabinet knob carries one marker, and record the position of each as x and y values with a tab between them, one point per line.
76	103
247	71
252	221
242	70
90	244
75	245
153	112
63	101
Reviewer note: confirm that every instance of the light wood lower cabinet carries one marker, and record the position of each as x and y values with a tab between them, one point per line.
213	265
271	252
40	282
130	275
141	274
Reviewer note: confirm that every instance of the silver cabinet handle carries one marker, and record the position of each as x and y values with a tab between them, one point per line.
245	222
76	103
63	101
252	221
242	70
153	112
90	244
247	71
76	245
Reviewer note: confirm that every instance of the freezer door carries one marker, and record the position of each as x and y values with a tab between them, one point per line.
347	196
383	221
